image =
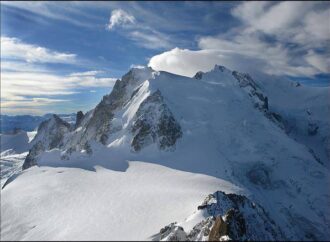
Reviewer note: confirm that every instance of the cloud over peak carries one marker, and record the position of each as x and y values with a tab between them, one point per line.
281	38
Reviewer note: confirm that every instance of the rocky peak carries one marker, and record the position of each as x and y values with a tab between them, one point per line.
79	118
228	217
50	135
220	68
155	123
199	75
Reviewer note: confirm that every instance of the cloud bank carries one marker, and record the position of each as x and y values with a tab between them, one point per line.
282	38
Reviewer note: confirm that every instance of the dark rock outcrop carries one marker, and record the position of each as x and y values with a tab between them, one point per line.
50	135
155	123
31	158
79	118
231	217
219	229
199	75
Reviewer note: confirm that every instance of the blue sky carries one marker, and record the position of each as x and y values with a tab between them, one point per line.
64	56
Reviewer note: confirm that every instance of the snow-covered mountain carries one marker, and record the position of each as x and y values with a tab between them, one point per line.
158	144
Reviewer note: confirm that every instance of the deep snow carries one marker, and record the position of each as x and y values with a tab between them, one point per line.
227	144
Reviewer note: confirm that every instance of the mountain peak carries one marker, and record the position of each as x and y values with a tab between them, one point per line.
220	68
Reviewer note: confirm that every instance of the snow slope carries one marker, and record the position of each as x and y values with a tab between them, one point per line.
76	204
216	127
304	109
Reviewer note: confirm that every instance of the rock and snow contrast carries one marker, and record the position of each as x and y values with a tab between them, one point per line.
140	164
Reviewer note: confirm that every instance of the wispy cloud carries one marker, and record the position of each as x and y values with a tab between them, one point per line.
60	11
120	17
13	48
141	34
28	84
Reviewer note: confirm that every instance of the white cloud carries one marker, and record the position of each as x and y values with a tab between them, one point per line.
282	38
29	105
21	84
121	18
321	62
150	39
13	48
185	62
86	73
63	11
141	34
137	66
24	75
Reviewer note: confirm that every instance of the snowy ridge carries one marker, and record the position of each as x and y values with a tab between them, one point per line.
223	128
226	217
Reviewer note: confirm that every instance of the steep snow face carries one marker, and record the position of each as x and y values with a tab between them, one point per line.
305	112
222	124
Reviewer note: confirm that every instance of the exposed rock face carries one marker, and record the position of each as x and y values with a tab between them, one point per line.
199	75
79	118
155	123
51	132
30	159
231	217
218	230
245	81
50	135
99	126
172	232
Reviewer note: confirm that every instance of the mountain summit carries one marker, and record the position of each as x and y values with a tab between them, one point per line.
268	138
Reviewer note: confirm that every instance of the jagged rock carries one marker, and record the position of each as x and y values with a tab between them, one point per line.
51	132
219	67
172	232
50	135
218	230
88	148
236	225
155	123
232	217
79	118
199	75
245	81
201	231
30	159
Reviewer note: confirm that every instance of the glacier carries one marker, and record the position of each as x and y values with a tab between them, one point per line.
140	163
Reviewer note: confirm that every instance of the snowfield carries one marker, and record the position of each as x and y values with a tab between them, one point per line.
46	203
150	153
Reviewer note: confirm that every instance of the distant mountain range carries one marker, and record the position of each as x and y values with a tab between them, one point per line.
29	122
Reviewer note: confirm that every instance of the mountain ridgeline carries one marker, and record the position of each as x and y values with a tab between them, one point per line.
268	136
